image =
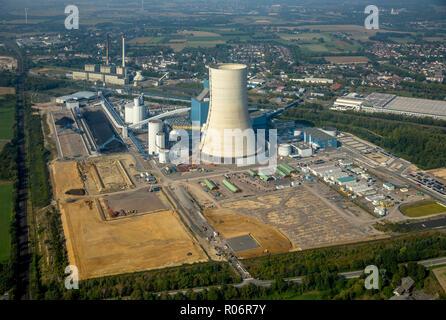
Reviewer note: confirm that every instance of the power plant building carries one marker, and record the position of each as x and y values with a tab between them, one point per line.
200	107
135	111
319	139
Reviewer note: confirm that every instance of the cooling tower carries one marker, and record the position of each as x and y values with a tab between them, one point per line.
227	111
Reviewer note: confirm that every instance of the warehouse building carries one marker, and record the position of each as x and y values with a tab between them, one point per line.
319	139
78	96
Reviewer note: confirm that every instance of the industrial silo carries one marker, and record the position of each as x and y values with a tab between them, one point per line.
284	150
155	126
160	141
163	153
228	110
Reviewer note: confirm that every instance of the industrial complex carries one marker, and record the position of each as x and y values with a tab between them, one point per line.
327	187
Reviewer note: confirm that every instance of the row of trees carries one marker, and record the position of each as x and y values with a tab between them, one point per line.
385	254
421	145
8	172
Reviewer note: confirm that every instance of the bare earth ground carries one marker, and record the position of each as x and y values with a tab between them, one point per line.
65	176
101	248
232	225
306	220
440	273
441	172
142	200
347	59
7	90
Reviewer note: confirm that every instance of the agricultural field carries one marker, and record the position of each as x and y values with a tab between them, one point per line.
422	208
145	242
7	112
5	219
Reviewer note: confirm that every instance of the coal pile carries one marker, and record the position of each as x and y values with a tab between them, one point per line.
62	122
102	130
76	192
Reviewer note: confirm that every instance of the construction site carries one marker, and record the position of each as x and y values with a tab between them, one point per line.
132	229
144	242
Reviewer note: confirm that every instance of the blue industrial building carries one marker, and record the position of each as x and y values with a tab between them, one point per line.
200	105
319	139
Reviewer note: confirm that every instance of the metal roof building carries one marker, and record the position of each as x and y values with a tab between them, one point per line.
78	96
379	102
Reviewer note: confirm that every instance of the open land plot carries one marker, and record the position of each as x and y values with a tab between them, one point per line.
5	220
301	216
440	273
378	157
231	225
65	176
422	208
347	59
143	201
441	172
145	242
106	175
7	90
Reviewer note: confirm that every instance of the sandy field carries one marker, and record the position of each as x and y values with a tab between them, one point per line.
65	176
101	248
441	172
232	225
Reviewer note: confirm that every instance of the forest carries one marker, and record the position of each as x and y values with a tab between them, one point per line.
421	144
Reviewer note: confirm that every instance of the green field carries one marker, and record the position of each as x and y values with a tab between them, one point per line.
5	217
6	122
422	208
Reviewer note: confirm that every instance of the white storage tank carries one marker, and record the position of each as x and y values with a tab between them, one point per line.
160	141
284	150
163	155
155	126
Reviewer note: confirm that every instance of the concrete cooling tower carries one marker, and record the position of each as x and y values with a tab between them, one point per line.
227	110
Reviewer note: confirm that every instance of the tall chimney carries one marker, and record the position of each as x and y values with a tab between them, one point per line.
123	50
107	49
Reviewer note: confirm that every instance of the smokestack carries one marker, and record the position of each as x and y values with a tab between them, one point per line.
107	49
123	50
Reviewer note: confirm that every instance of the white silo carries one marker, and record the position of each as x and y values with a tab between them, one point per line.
284	150
155	126
228	110
160	141
128	113
163	155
